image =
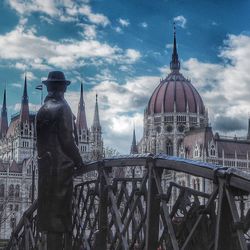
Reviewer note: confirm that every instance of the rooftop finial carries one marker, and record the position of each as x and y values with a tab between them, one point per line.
175	64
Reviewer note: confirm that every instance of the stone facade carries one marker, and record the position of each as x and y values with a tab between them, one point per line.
176	123
18	157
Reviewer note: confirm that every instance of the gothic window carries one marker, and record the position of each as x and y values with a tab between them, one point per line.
2	190
158	129
196	151
169	148
11	207
212	150
11	190
169	128
17	191
181	128
16	207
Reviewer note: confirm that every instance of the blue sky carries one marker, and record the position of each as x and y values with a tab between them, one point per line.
121	48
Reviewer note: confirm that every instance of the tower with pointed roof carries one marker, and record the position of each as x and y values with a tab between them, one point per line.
96	135
174	108
24	113
82	129
134	149
25	138
4	118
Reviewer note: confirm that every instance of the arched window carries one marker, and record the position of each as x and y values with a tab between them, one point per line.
2	190
212	151
196	151
17	191
169	148
11	190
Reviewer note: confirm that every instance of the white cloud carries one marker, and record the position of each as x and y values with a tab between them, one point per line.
180	21
89	31
124	22
46	19
225	88
144	25
26	6
132	55
25	45
30	76
94	18
16	85
63	10
118	29
120	106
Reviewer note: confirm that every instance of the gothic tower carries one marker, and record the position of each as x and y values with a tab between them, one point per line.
134	149
82	129
25	137
4	118
96	136
174	108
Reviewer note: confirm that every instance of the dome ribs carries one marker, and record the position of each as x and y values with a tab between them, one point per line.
152	100
185	95
164	97
159	102
169	104
180	97
198	99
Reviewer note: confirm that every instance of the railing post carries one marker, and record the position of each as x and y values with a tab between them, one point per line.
101	235
153	211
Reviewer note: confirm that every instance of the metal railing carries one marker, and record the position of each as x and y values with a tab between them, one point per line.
120	209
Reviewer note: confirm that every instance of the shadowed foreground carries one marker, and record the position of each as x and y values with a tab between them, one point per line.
134	202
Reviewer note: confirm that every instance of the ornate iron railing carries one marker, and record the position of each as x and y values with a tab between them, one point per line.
139	202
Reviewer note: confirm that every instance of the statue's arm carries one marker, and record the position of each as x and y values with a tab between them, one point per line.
67	136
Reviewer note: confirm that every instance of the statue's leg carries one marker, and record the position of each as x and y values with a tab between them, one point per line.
54	241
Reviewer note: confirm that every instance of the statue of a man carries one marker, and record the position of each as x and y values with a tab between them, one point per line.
58	155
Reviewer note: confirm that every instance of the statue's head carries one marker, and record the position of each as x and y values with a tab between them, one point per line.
56	81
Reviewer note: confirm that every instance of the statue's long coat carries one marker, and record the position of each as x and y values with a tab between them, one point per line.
57	156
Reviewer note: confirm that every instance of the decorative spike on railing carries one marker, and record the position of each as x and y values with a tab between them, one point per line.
141	202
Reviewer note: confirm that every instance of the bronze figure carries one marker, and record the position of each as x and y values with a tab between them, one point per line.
58	155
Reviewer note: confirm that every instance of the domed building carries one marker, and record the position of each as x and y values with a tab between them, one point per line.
174	108
176	123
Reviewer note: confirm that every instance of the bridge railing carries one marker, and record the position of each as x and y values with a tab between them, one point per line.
149	202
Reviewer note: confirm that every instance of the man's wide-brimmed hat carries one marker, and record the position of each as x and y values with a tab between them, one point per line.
56	77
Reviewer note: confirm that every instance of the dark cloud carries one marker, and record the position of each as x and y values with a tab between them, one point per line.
227	124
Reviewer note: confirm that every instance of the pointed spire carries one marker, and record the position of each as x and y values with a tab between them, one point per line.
175	64
134	149
4	117
81	121
248	132
96	121
24	113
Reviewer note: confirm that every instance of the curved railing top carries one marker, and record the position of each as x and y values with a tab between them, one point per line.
235	177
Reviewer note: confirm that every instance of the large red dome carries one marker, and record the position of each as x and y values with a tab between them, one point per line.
175	89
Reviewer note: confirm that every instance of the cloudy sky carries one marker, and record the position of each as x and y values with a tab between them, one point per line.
121	48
